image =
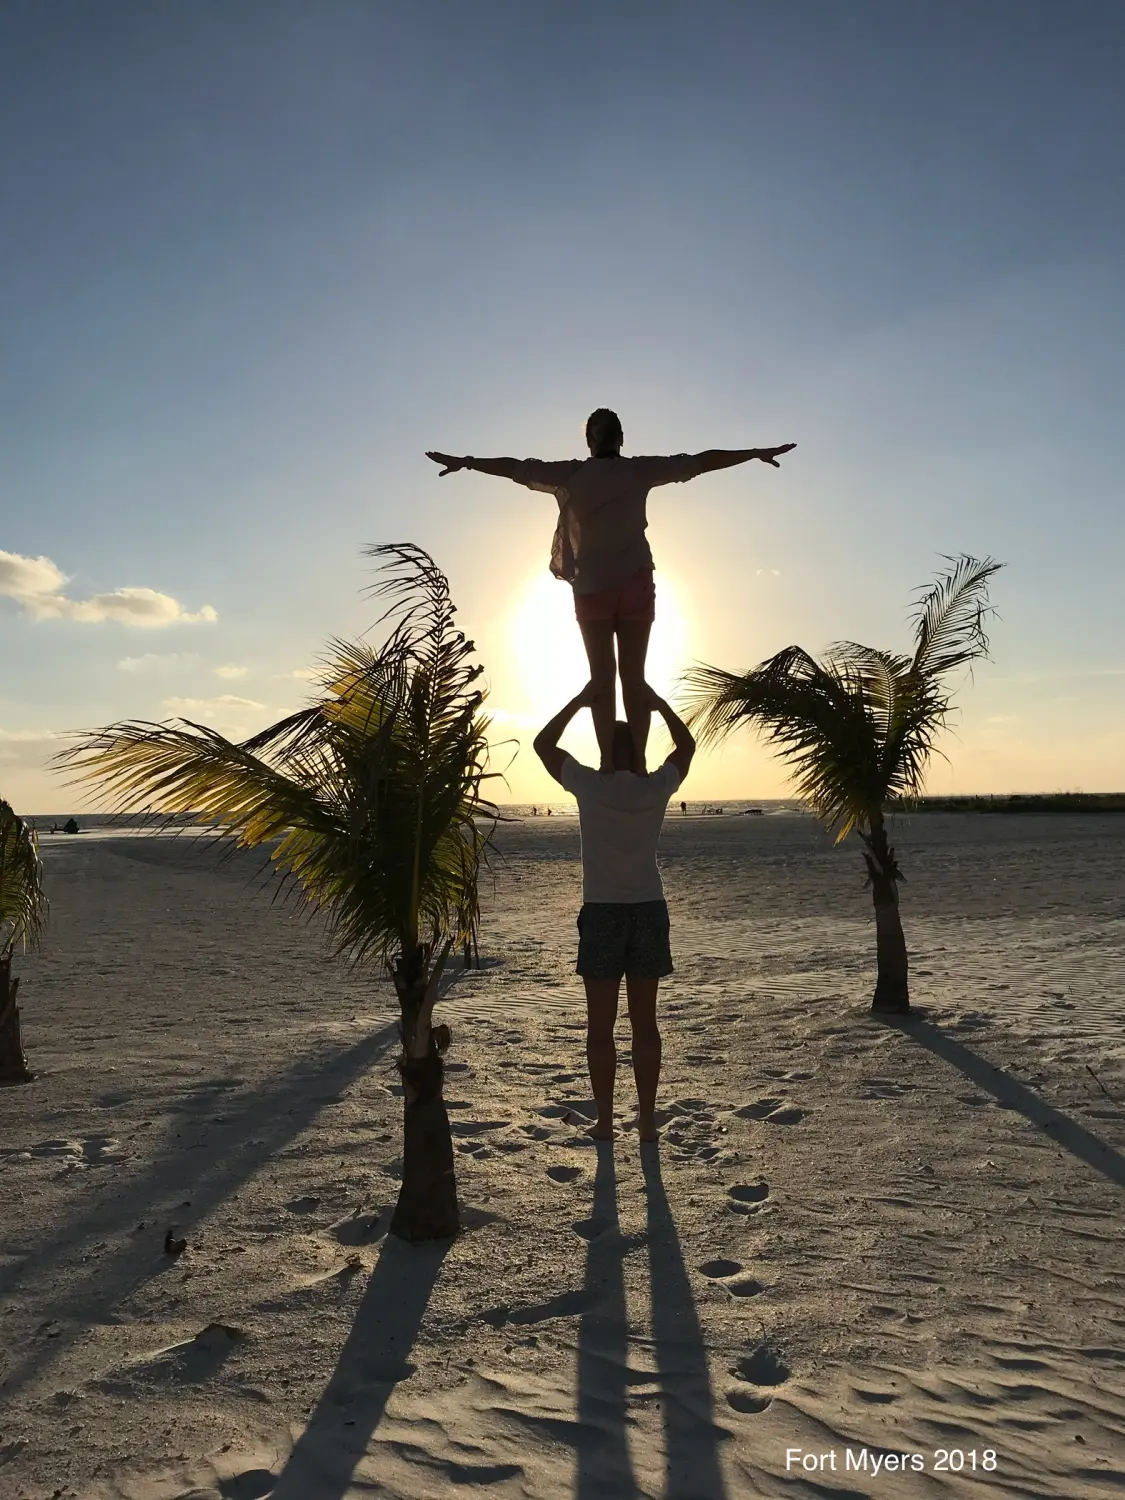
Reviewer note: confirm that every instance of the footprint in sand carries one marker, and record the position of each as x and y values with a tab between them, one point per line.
564	1174
589	1229
758	1373
775	1111
747	1197
726	1273
307	1205
361	1227
718	1270
744	1286
472	1127
885	1088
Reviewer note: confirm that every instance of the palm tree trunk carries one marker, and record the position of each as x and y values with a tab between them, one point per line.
427	1200
892	989
13	1062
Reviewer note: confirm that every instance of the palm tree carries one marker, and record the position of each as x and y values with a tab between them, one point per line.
23	915
858	728
370	801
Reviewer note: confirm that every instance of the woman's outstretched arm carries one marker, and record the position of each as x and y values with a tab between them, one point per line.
503	468
726	458
534	473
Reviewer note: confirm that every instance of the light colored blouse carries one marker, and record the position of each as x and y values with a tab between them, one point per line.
600	538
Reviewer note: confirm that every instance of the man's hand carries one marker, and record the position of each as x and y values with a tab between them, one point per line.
451	464
767	455
587	697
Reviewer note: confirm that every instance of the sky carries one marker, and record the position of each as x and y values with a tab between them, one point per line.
256	258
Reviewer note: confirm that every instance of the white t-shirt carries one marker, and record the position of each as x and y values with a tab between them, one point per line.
620	817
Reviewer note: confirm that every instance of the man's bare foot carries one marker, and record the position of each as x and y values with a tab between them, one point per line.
600	1132
646	1130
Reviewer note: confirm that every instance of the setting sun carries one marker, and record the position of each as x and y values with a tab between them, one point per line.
549	658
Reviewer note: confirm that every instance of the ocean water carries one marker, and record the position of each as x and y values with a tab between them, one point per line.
567	808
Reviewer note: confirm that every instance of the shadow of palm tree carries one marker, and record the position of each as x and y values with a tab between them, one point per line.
691	1436
1012	1094
257	1124
605	1470
372	1362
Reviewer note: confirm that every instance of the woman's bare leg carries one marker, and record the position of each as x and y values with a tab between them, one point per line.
601	1051
597	636
646	1051
632	648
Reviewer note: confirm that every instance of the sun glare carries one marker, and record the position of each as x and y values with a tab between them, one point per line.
547	647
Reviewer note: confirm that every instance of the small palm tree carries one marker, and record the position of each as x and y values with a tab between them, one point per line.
23	915
858	728
371	804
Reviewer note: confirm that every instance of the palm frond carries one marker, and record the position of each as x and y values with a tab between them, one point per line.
949	616
858	727
23	904
817	718
370	798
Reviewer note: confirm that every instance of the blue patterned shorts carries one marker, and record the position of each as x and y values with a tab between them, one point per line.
629	938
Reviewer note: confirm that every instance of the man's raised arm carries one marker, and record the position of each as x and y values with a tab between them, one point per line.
683	743
546	742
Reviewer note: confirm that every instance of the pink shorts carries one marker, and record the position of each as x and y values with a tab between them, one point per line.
635	599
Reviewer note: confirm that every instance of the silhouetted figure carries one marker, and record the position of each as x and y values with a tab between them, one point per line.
601	551
623	930
683	808
70	826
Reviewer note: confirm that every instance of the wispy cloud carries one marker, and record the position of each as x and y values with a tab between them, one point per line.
301	674
158	664
28	745
224	704
37	585
231	671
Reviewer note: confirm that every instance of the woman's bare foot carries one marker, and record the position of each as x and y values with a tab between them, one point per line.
601	1132
646	1129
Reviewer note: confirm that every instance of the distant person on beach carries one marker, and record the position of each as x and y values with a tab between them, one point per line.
601	551
623	930
683	808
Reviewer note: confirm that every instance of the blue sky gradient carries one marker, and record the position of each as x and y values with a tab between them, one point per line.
256	258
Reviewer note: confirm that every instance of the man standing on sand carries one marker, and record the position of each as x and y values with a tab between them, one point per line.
623	925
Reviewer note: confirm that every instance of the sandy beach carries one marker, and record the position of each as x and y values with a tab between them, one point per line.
866	1260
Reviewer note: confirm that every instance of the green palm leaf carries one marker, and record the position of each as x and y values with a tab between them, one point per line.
23	904
858	727
370	800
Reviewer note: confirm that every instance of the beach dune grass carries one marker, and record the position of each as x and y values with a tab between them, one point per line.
858	728
370	802
23	915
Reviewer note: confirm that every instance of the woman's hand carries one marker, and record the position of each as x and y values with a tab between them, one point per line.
451	464
767	455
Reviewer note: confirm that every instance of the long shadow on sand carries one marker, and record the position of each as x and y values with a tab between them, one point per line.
372	1362
1010	1092
605	1469
691	1436
257	1124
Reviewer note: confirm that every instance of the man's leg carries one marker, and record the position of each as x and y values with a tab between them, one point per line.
597	636
632	648
601	1052
641	994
